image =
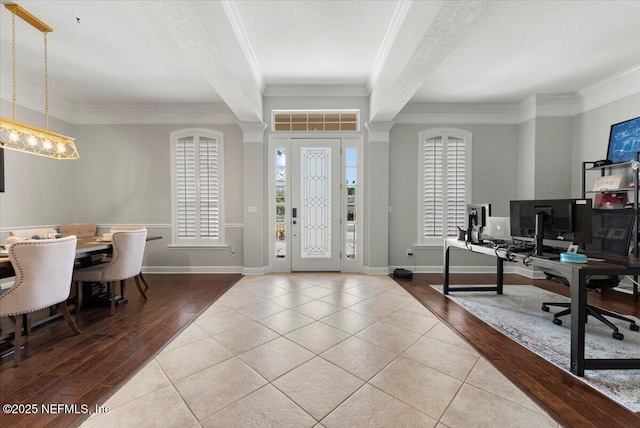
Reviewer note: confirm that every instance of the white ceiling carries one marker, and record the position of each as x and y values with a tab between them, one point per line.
235	52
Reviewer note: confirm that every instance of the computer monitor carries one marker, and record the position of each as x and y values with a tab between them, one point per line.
477	215
554	220
611	231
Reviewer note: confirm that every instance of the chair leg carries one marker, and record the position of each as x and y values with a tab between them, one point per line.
144	281
17	342
112	296
78	296
140	287
64	309
26	319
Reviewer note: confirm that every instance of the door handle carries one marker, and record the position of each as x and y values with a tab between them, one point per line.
294	215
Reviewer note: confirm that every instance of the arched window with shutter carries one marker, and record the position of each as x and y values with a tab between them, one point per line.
197	187
445	183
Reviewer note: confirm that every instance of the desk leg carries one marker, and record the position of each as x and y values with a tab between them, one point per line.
578	320
445	286
499	275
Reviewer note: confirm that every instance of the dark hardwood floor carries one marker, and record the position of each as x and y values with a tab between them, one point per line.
565	397
60	367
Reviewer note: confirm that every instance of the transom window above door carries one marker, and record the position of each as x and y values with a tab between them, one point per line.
315	120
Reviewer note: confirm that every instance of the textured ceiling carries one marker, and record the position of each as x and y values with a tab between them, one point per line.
139	52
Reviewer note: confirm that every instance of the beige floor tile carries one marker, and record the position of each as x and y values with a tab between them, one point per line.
245	337
419	308
373	309
260	310
382	283
423	388
275	358
236	299
295	284
341	299
392	299
487	377
475	407
370	407
393	338
316	291
149	379
316	309
318	386
411	321
291	300
189	359
286	321
362	290
222	322
215	309
160	408
443	357
444	334
212	389
359	357
191	334
348	321
266	407
267	291
317	337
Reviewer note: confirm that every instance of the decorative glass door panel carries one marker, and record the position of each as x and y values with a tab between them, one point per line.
315	208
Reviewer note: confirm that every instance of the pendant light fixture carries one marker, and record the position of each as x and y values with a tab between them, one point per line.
26	138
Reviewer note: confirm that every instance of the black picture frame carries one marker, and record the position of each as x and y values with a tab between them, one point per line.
624	141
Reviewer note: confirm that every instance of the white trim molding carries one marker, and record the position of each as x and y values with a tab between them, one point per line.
379	131
151	114
613	88
253	132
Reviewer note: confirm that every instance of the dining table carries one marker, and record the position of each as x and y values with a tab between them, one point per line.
89	250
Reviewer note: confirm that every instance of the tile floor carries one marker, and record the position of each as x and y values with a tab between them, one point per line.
319	350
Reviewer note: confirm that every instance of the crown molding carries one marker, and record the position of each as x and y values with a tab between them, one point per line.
241	35
253	132
379	131
316	91
196	114
399	14
613	88
446	114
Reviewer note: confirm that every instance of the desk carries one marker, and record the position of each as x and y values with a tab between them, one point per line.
576	274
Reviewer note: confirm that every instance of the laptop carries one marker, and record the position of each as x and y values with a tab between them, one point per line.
497	229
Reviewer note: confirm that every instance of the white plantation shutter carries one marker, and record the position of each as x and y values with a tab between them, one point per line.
197	187
445	190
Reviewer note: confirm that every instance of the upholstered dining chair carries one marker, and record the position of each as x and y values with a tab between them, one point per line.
78	229
120	228
44	269
126	262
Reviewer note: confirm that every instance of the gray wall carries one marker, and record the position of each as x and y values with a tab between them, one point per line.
494	168
525	177
553	163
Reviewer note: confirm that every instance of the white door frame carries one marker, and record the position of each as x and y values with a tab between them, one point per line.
355	143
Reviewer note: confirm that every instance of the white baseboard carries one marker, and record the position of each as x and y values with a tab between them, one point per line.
191	269
376	270
254	271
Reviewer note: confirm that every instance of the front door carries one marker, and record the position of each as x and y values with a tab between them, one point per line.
315	204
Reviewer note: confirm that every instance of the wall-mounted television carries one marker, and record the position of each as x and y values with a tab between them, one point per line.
624	141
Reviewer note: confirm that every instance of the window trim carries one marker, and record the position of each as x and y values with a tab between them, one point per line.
197	133
445	133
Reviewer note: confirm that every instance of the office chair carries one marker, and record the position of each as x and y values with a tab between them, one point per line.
611	233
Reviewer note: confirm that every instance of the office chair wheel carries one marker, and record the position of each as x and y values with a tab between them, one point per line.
618	335
545	308
557	321
634	327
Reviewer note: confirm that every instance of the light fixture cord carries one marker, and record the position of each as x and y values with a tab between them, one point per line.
46	82
13	59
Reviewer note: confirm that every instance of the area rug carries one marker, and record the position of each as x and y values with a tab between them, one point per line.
517	314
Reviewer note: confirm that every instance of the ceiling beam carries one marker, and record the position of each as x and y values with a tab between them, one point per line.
426	35
205	33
